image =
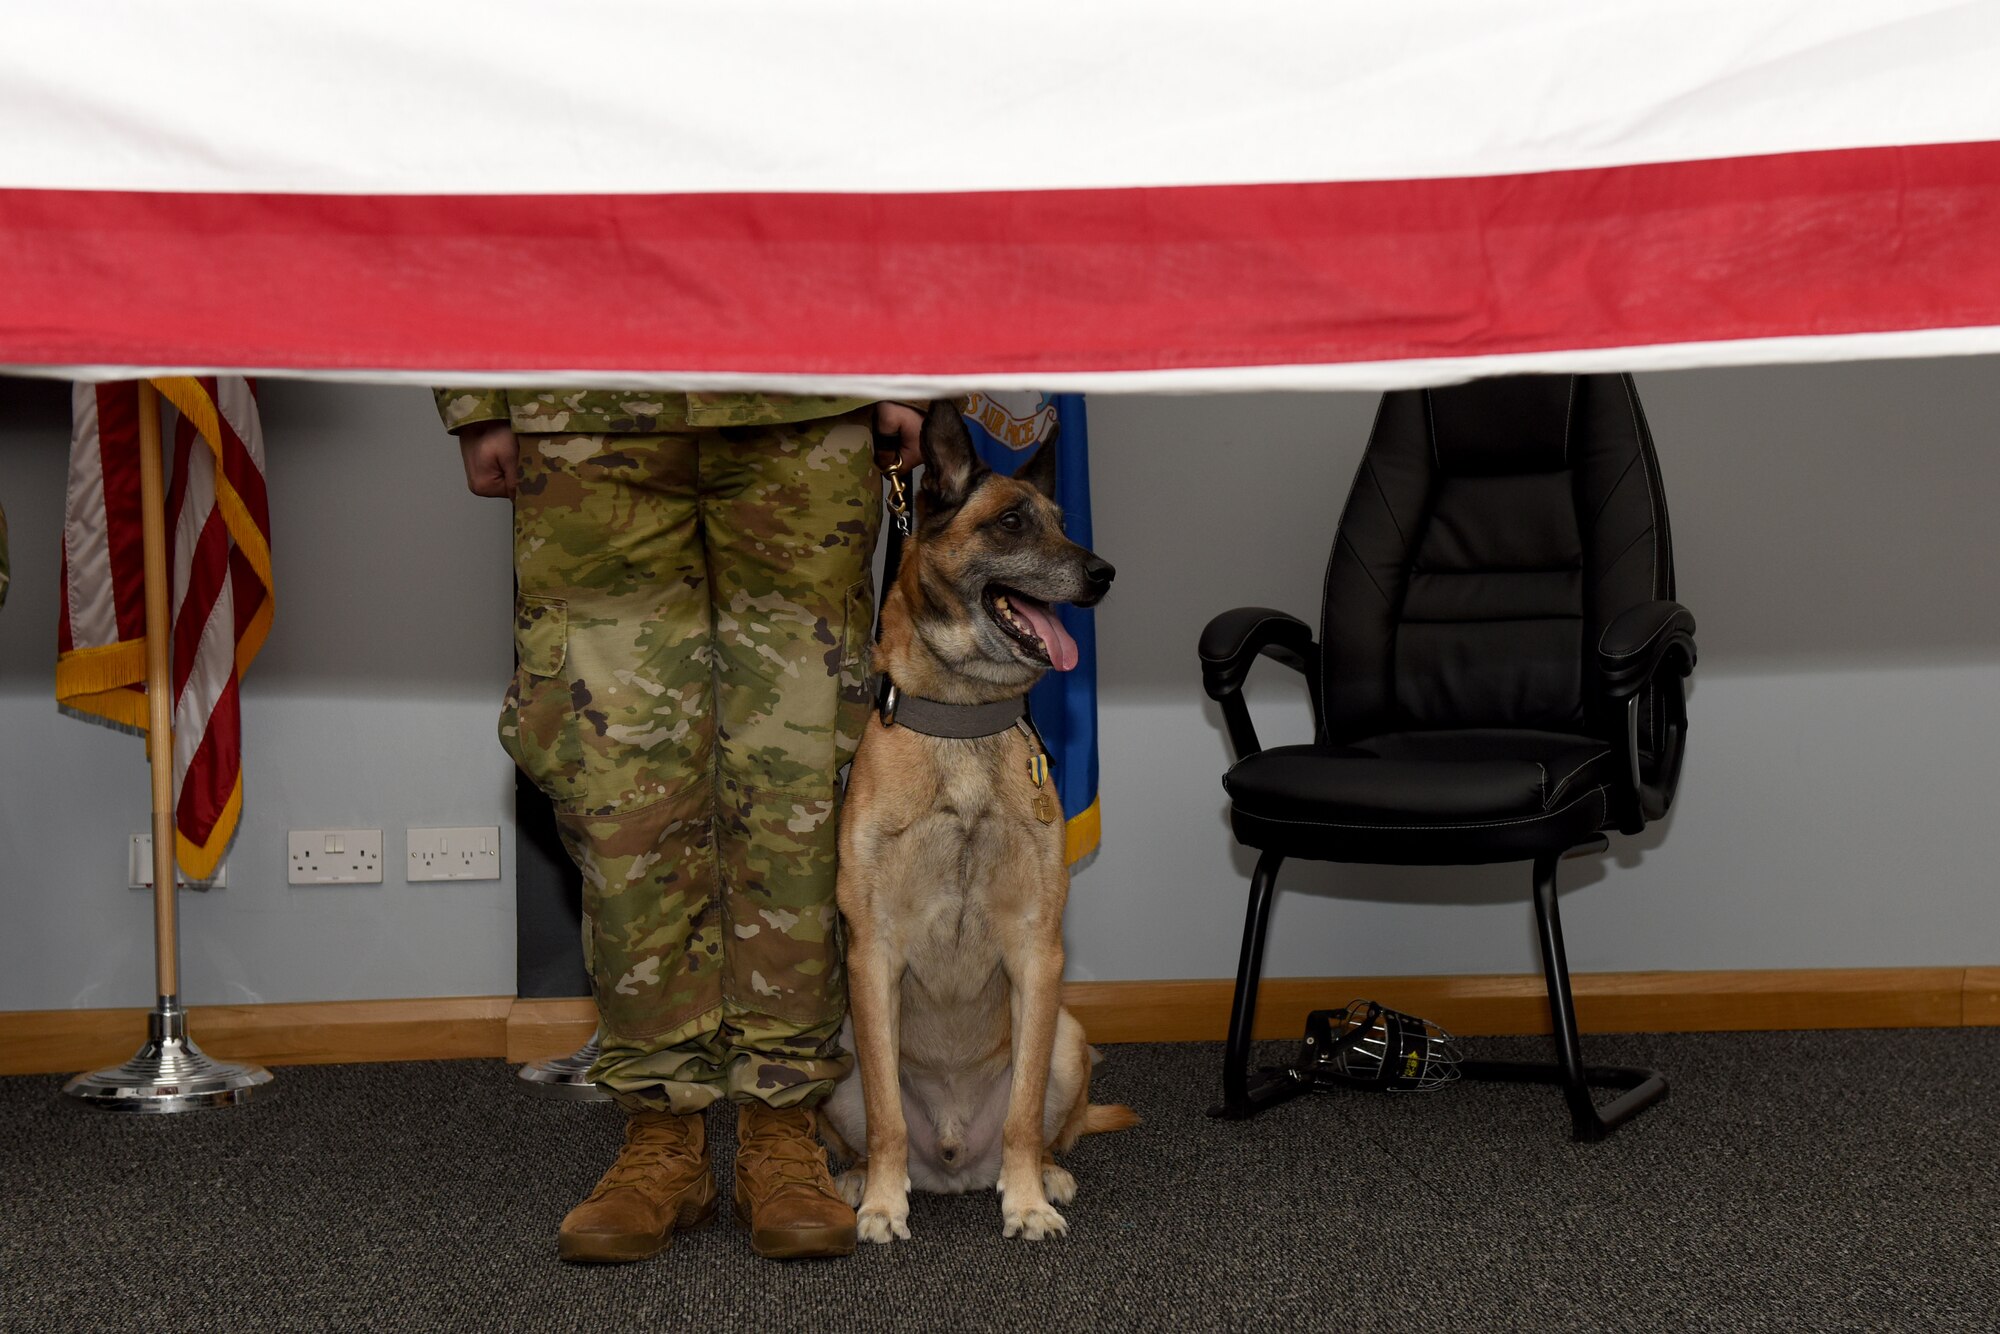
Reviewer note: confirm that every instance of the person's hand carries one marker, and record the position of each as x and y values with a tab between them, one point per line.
492	459
905	425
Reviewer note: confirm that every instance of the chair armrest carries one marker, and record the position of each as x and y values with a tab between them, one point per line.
1642	640
1232	641
1635	649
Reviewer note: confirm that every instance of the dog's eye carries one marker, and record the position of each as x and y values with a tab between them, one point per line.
1012	521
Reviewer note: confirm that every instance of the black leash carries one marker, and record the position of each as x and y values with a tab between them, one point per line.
898	504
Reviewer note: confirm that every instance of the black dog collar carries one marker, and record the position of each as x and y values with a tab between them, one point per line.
961	722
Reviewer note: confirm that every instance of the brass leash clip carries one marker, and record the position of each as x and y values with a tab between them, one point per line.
899	497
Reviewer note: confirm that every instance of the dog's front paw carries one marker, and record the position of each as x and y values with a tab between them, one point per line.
877	1224
1058	1184
851	1184
1033	1223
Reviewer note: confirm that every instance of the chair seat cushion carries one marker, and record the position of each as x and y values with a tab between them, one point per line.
1412	778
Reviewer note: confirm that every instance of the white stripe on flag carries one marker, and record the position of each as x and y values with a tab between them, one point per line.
197	503
1350	376
214	668
93	608
911	95
238	407
215	658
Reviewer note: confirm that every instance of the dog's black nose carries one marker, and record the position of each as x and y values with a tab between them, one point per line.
1099	572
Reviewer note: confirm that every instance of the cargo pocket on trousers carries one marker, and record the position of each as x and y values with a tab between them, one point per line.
538	721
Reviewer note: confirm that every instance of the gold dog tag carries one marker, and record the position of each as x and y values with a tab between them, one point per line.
1045	808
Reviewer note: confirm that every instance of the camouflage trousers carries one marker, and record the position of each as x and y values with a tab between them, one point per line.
692	633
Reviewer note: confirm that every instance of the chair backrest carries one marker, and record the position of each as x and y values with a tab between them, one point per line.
1493	529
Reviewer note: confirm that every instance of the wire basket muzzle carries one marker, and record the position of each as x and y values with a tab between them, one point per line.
1368	1045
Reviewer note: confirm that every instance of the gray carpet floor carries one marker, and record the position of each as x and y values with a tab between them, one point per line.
1809	1181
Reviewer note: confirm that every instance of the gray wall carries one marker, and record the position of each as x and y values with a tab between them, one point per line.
371	706
1832	527
1834	536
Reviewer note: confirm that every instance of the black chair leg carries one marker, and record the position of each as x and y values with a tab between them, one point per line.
1641	1088
1246	1092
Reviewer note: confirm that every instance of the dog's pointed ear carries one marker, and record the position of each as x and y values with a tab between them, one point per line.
950	465
1040	469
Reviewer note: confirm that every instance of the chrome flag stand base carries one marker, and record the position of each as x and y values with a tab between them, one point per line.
170	1073
567	1076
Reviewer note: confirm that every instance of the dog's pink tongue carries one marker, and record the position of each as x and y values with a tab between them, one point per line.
1042	619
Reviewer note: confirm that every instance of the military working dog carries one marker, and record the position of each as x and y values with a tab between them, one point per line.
952	871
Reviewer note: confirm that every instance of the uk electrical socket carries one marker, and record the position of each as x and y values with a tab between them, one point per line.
455	854
139	867
333	856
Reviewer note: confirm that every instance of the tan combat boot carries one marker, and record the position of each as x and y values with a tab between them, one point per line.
662	1180
783	1189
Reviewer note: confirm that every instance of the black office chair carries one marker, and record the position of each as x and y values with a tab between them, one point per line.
1500	676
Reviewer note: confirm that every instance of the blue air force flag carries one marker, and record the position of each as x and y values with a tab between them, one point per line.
1006	430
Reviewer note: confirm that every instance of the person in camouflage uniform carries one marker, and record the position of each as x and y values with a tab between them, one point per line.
691	634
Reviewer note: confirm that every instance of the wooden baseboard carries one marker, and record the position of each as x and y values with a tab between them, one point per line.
1485	1005
62	1041
305	1033
1982	996
539	1029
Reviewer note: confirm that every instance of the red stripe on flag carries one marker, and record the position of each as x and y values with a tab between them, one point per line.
246	592
187	620
118	453
234	461
208	569
184	438
1850	241
241	470
211	774
65	637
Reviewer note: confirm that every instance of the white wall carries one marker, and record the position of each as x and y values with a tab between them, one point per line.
1832	527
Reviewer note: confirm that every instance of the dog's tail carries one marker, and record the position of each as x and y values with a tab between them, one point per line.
1103	1117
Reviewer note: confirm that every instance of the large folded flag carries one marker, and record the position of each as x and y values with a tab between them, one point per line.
1134	195
221	600
1007	428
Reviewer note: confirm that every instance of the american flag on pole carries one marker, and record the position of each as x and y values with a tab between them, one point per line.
219	516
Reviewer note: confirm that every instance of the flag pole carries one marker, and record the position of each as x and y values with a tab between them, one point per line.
159	696
170	1073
